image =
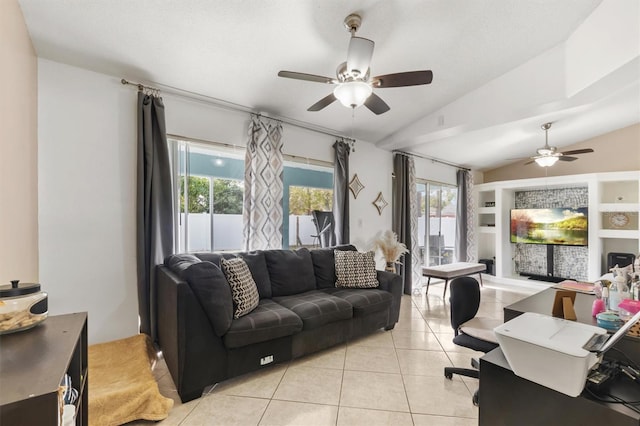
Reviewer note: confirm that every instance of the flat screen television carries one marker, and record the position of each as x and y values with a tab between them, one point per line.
558	226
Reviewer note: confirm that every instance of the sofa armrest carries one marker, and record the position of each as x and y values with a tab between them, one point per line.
194	355
393	284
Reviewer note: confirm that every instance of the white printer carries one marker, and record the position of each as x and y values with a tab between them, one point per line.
554	352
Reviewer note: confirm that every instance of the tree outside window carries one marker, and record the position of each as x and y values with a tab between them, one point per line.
303	200
227	195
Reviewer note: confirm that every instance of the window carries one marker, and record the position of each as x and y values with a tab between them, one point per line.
436	222
307	187
210	182
211	186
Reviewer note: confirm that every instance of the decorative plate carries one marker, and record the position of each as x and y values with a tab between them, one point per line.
380	203
355	186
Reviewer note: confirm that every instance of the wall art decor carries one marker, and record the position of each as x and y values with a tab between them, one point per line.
355	186
380	203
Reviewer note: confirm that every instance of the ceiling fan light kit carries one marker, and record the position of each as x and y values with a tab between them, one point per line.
354	84
546	161
352	94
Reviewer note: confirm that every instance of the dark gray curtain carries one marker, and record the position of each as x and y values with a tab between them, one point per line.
401	219
154	214
341	192
465	237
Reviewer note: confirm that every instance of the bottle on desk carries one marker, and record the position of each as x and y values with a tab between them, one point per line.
618	292
635	286
605	298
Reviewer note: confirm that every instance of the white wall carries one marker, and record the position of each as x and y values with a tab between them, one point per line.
87	163
374	167
435	172
86	194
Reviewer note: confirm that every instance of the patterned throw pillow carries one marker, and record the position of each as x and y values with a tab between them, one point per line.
355	269
243	288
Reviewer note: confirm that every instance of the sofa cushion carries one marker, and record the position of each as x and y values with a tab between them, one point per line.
266	322
178	263
364	301
258	266
316	308
290	272
355	269
255	261
324	265
214	294
243	288
214	257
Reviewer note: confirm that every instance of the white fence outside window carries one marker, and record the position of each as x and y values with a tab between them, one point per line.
227	231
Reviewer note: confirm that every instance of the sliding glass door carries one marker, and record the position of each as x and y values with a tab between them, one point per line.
436	222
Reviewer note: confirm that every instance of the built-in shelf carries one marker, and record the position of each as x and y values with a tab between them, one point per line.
619	207
486	210
633	234
614	192
487	229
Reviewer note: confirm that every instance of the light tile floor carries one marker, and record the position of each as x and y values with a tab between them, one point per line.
388	378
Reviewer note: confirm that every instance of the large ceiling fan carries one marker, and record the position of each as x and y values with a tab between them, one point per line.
548	155
354	86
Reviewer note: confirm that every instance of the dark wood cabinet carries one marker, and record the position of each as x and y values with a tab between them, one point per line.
32	364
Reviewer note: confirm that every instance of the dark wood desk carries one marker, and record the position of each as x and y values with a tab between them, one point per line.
506	399
509	400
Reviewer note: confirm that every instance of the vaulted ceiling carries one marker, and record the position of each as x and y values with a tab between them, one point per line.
501	67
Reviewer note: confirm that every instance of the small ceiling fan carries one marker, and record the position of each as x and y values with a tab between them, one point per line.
548	155
354	86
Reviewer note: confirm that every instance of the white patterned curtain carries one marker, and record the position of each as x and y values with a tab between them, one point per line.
416	262
465	215
262	208
471	216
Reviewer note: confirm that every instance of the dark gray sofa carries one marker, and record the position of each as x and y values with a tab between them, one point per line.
300	312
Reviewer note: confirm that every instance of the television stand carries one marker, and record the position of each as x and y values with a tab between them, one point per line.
545	278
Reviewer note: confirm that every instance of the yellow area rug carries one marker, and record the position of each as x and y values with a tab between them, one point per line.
121	385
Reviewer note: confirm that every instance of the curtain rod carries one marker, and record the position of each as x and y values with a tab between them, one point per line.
435	160
236	107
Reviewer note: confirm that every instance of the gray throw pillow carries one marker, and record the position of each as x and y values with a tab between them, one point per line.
355	269
179	263
244	290
258	266
214	294
290	272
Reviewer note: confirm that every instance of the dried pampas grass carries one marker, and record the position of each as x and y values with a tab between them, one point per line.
390	247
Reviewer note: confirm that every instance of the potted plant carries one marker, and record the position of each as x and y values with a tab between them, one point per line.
391	249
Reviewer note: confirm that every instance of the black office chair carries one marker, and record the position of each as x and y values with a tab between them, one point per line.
470	331
325	232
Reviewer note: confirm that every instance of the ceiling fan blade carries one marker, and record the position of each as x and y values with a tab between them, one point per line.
376	104
323	103
578	151
402	79
530	162
359	56
566	158
306	77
